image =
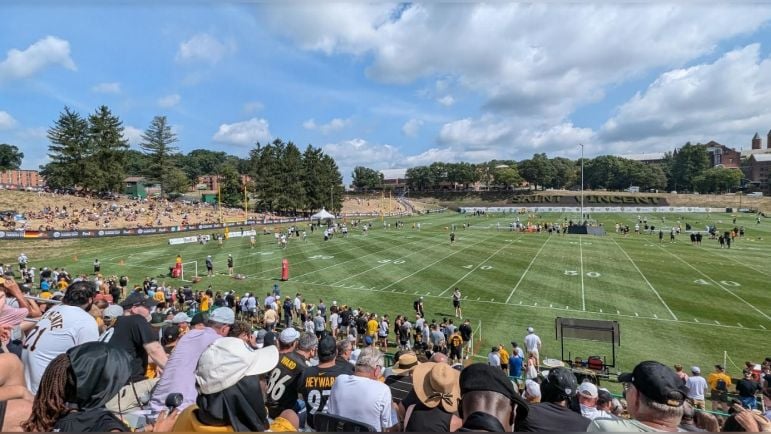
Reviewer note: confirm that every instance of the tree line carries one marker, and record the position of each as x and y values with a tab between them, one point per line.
91	153
686	169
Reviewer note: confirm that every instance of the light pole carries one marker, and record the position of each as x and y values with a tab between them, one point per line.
582	182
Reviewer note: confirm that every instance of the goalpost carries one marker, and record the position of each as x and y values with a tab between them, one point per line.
476	336
185	275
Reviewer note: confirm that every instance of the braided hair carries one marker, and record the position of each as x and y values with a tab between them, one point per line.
50	403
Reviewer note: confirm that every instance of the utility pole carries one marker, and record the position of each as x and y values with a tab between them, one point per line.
582	182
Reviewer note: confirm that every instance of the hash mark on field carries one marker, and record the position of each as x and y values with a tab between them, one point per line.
600	310
635	314
535	304
654	315
528	268
717	322
428	293
492	299
618	312
520	301
761	326
473	269
719	285
551	305
740	324
567	307
477	298
645	279
696	319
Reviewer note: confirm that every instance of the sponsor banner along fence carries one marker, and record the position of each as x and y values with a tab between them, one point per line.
591	209
100	233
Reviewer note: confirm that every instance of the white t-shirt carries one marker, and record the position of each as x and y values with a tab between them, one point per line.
494	359
333	321
696	386
59	329
532	341
345	400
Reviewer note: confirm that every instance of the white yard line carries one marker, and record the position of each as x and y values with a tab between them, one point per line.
719	285
583	293
391	247
715	252
527	269
434	263
384	264
567	308
474	269
644	278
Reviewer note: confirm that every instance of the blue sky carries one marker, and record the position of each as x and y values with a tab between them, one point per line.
389	85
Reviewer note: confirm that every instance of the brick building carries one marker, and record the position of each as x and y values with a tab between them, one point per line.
19	179
723	156
757	169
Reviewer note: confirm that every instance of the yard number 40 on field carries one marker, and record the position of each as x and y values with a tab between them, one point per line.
588	273
723	282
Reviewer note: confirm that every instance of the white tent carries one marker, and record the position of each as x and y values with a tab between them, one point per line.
322	215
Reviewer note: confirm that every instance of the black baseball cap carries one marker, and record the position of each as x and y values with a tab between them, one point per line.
559	385
658	382
269	339
327	346
138	299
479	377
199	318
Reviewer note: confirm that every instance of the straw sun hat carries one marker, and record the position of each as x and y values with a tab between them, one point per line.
435	384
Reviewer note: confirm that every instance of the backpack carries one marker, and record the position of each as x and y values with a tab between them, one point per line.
721	385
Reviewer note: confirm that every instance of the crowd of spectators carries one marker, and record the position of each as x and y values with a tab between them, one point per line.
96	354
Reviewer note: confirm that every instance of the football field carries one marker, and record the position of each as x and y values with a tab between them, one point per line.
675	302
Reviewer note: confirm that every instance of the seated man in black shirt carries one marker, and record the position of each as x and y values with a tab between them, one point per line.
133	334
554	413
489	401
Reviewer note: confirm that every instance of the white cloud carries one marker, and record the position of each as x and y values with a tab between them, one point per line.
245	133
446	100
169	101
726	100
335	124
204	48
411	127
112	87
6	121
253	106
133	135
310	124
512	53
43	53
481	133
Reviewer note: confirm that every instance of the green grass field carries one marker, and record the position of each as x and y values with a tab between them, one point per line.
675	302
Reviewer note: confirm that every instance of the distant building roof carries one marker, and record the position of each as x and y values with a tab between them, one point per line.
761	158
394	173
134	179
756	136
650	156
748	152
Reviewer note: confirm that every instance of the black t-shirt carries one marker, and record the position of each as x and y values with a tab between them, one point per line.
93	420
361	325
283	382
400	385
315	386
747	388
465	332
132	333
548	416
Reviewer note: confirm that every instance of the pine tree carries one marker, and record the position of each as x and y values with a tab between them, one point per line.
69	152
157	143
109	149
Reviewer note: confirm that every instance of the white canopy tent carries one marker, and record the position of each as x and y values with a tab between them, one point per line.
322	215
